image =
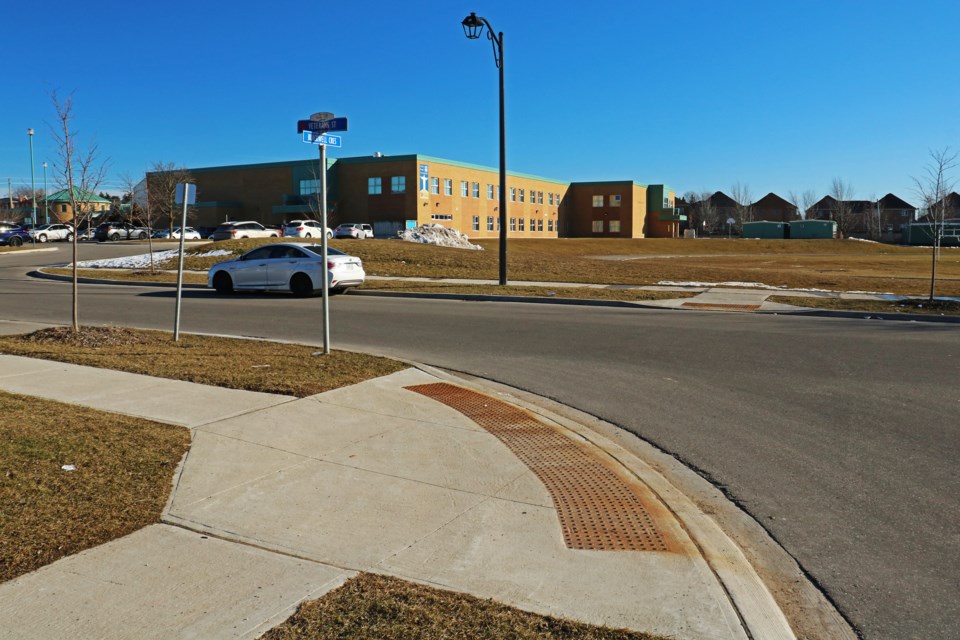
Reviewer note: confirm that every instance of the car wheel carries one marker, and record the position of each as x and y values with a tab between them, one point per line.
114	237
308	236
329	236
273	235
16	241
142	236
42	238
301	285
69	237
223	284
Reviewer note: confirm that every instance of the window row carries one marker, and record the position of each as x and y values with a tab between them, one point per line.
614	201
613	226
536	197
398	184
472	190
517	224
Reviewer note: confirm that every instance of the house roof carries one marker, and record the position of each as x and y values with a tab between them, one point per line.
773	201
79	195
720	199
891	201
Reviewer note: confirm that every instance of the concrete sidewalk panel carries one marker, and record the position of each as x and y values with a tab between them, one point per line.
448	457
161	582
307	427
76	384
515	553
13	366
386	396
527	489
216	464
189	404
328	513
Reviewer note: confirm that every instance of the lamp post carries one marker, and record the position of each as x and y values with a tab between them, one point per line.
46	207
33	185
472	28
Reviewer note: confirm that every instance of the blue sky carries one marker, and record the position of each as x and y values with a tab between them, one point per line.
776	95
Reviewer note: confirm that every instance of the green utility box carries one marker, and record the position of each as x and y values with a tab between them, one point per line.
809	229
921	233
766	230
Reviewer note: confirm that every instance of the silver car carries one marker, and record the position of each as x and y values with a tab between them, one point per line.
287	266
245	229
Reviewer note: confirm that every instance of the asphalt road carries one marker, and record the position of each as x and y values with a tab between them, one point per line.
841	437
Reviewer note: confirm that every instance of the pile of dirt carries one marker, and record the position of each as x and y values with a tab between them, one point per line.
93	337
439	235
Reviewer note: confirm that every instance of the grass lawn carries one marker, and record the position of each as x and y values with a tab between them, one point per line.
374	606
913	305
841	265
124	467
253	365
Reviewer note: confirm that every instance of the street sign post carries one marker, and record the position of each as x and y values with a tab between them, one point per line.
185	193
312	137
322	115
333	124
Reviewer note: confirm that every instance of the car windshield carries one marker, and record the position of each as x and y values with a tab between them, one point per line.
317	249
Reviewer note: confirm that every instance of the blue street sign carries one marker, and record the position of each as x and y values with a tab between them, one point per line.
312	137
334	124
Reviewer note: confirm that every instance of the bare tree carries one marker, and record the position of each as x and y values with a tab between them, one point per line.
872	215
162	184
803	202
933	187
79	172
744	209
139	213
842	210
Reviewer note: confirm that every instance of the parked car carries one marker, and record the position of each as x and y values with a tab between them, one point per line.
287	266
246	229
87	234
205	232
8	226
305	229
15	237
120	231
189	234
51	232
353	230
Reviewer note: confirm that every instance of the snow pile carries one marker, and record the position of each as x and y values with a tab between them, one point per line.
439	235
142	261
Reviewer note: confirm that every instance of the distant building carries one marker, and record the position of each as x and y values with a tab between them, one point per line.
61	207
773	208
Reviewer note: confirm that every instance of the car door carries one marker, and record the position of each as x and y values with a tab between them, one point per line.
251	270
283	263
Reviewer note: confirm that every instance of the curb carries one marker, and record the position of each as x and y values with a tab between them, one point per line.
866	315
126	283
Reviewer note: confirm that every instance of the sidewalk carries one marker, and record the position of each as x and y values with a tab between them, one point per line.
417	475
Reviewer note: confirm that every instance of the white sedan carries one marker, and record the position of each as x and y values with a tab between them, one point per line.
304	229
46	232
287	266
189	234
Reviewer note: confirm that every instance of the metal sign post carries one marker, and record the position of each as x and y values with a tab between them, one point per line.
313	133
187	194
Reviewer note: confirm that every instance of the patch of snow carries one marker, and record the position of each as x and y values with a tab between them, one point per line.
439	235
759	285
142	261
864	240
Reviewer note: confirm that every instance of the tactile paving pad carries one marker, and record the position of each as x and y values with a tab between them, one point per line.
598	509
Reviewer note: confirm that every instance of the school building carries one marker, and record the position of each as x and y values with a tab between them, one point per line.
395	192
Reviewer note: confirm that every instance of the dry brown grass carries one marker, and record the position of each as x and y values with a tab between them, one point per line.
841	265
124	468
375	606
252	365
913	305
129	275
581	293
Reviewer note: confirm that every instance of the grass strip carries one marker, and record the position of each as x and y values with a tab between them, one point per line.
912	305
122	478
582	293
252	365
375	606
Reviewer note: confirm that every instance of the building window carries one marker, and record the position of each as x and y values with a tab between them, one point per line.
513	194
521	224
489	192
550	198
615	201
521	195
550	225
513	224
666	202
489	223
374	186
614	226
398	184
475	189
597	202
539	197
598	226
309	187
447	187
442	216
539	224
476	223
63	208
435	185
464	189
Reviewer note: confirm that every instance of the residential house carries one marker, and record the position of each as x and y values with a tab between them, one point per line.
773	208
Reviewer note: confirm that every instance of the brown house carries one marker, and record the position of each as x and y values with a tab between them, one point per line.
773	208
